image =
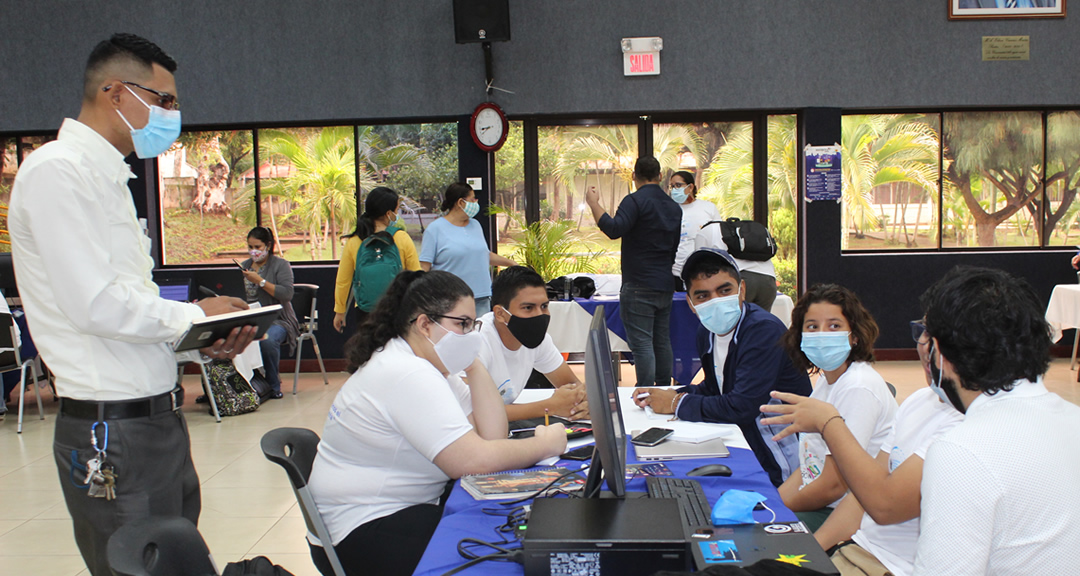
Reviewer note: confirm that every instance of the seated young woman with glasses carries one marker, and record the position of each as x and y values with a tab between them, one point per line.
877	531
405	423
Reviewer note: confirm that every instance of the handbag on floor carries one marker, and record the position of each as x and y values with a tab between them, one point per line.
257	566
232	393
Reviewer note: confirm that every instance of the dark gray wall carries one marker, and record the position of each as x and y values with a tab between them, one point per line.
289	61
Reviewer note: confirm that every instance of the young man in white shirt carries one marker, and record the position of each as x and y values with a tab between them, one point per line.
83	269
999	491
516	342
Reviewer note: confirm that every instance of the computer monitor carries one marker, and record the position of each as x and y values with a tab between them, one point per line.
177	290
609	456
226	281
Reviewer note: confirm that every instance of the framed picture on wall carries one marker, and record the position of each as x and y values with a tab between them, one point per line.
966	9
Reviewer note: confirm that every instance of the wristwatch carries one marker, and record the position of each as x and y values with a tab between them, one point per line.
263	283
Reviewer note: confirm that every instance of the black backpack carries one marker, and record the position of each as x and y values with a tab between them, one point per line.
746	239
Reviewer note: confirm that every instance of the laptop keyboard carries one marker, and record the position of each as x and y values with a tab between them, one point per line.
695	508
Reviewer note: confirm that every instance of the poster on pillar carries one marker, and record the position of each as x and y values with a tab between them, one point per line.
824	174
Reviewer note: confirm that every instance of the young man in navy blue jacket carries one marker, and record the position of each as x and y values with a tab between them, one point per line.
739	346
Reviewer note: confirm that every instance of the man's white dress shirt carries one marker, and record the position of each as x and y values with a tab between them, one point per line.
83	268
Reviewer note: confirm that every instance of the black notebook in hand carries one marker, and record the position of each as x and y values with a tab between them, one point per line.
205	331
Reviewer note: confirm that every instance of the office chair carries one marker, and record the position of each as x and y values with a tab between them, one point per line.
11	359
294	450
304	302
159	546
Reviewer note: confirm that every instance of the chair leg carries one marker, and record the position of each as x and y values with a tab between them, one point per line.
209	393
322	368
296	368
22	396
37	392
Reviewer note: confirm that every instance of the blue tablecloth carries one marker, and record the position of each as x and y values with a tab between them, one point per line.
684	327
464	517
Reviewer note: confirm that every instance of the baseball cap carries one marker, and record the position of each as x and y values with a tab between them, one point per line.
709	255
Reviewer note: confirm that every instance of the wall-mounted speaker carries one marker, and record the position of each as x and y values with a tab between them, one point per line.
481	21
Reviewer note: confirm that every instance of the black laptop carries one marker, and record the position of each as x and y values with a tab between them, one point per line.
745	544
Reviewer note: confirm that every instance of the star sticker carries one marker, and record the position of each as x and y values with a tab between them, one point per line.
796	559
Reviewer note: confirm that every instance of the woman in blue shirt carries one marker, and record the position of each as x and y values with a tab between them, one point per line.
455	243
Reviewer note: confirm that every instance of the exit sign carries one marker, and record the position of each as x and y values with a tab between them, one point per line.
641	56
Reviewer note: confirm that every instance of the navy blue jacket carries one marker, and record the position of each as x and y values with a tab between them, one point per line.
756	365
649	223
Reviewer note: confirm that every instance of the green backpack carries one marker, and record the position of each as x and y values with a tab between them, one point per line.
377	262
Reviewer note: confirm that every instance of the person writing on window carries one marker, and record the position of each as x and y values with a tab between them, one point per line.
405	423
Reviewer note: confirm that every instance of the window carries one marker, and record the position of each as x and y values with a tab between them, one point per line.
8	168
1063	179
783	174
509	199
721	157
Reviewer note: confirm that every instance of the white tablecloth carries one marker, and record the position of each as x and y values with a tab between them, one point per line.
1063	312
782	308
569	327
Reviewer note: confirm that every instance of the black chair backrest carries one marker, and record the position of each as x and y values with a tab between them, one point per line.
8	359
159	546
303	294
294	450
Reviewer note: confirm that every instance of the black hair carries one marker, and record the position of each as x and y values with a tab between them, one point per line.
264	235
509	282
378	202
686	176
990	325
861	323
709	267
127	48
647	169
412	293
454	192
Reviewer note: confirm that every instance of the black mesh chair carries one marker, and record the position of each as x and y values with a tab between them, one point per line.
294	450
304	303
159	546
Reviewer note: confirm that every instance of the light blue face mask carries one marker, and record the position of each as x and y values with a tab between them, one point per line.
161	130
679	195
736	507
719	315
472	208
393	221
826	350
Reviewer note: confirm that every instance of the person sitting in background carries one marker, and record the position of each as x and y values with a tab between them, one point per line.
380	215
738	344
877	531
455	243
405	423
516	342
695	214
833	335
268	279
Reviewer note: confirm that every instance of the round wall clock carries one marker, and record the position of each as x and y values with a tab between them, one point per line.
488	127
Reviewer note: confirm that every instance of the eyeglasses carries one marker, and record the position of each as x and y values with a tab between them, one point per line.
918	330
467	324
165	100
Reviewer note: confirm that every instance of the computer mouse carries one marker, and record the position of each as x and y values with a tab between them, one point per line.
710	470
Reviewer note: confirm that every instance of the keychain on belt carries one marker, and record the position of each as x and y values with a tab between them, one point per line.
100	475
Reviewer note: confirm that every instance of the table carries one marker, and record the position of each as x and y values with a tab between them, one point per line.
1063	313
464	517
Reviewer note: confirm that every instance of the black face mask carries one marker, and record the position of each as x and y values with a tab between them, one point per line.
948	385
529	331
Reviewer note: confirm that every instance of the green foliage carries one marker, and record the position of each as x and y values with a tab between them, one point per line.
784	231
550	248
787	276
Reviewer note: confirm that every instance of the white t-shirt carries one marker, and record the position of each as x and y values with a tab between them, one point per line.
921	419
999	491
868	409
386	426
694	216
510	369
710	237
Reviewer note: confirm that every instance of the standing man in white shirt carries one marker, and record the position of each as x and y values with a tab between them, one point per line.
999	491
516	342
83	269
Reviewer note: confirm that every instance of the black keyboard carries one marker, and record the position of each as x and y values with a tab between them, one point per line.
695	508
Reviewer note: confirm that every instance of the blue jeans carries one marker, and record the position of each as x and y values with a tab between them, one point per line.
483	305
646	316
271	354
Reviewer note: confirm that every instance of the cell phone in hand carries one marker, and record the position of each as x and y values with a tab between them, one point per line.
652	436
238	265
579	453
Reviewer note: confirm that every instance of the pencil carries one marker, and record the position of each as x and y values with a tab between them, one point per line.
547	418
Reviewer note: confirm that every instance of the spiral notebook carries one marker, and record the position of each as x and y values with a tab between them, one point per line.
517	483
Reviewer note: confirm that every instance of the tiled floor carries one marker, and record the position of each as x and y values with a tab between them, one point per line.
248	508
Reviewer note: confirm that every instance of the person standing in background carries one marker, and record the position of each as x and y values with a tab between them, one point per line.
83	269
648	222
695	214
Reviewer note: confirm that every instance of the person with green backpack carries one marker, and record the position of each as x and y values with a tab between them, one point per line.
375	252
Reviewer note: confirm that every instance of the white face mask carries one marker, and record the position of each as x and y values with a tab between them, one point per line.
457	351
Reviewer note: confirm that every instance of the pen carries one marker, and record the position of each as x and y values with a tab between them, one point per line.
642	395
547	418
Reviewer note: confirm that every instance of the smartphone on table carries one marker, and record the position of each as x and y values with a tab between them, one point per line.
652	436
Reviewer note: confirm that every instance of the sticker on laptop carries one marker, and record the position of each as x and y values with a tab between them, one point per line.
794	559
720	552
777	529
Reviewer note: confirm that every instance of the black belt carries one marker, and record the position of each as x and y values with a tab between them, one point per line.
121	409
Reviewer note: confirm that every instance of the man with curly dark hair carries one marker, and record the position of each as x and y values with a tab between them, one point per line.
999	491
